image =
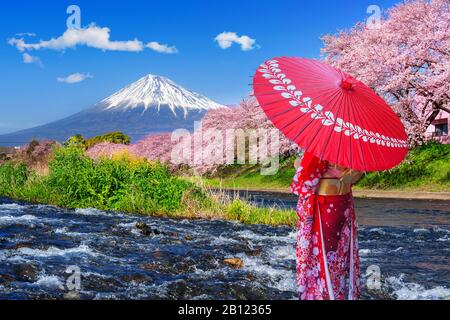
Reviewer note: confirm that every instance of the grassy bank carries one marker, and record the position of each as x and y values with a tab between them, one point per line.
126	184
249	177
427	168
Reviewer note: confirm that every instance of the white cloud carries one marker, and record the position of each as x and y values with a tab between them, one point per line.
75	78
18	43
91	36
27	58
161	48
226	40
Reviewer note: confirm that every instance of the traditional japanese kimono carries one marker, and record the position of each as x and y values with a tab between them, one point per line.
327	248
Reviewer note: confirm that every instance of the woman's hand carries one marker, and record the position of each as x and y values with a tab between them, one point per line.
356	176
297	163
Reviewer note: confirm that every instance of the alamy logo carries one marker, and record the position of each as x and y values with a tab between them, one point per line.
374	20
74	20
373	274
73	282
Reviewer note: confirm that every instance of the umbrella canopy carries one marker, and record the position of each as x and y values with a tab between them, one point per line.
330	114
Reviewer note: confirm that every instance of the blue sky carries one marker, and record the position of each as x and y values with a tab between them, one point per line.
30	93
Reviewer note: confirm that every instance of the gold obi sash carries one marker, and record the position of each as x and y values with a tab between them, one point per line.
334	187
338	186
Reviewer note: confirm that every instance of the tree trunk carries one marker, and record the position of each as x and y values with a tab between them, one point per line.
437	108
432	116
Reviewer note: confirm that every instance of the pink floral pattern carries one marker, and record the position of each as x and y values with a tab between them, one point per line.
326	225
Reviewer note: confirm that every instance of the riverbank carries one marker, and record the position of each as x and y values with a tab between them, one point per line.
68	178
371	194
127	184
425	174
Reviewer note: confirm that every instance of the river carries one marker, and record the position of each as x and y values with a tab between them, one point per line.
43	247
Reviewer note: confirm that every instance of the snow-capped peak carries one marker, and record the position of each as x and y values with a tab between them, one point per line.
156	91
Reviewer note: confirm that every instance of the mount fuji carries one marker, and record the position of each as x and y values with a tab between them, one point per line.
152	104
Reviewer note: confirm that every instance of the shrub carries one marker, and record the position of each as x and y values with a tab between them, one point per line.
76	141
12	176
120	183
36	153
113	137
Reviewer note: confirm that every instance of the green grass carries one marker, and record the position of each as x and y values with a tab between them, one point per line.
242	211
426	168
127	184
75	181
249	177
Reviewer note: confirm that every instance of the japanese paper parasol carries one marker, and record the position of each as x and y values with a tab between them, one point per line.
330	114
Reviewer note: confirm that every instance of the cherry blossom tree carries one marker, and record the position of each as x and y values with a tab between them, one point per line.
406	60
221	123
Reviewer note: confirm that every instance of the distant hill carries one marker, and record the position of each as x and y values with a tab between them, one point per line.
153	104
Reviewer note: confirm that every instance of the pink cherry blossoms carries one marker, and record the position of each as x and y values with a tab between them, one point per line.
211	146
406	60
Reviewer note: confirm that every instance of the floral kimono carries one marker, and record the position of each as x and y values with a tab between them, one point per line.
327	249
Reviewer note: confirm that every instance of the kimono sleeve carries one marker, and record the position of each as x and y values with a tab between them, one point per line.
307	178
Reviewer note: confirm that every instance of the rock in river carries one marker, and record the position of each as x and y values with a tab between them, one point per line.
26	272
146	230
235	263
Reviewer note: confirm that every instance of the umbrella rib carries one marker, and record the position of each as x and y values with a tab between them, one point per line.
334	123
286	61
268	93
389	113
315	64
376	114
382	124
377	100
265	82
316	75
355	111
365	124
350	144
292	107
332	98
304	127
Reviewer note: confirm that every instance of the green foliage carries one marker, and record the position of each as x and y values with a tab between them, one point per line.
12	176
249	177
427	168
76	141
113	137
243	211
76	180
79	141
110	184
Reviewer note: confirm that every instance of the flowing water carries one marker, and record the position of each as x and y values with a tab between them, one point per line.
43	247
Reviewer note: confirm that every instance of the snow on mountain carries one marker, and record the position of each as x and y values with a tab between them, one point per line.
156	91
153	104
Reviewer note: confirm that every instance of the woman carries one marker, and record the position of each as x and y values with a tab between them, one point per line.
327	249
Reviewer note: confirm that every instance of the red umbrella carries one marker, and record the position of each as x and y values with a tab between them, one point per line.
330	114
